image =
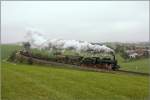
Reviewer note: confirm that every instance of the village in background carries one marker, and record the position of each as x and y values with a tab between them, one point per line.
131	51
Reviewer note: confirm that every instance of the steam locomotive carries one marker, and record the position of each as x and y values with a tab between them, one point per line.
93	62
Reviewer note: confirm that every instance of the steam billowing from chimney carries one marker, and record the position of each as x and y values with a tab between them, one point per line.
37	40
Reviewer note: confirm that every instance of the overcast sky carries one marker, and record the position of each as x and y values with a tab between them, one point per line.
93	21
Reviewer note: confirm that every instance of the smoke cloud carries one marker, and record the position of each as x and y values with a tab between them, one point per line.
38	40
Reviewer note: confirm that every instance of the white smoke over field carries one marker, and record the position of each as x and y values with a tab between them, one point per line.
37	40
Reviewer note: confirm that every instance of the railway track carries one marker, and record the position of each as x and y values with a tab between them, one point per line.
86	68
132	72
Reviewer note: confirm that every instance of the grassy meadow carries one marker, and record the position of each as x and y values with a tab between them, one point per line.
33	82
41	82
7	49
141	65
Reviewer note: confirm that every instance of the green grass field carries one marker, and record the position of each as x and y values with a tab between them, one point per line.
7	49
141	65
34	82
40	82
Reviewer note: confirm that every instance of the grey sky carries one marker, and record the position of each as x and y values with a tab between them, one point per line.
93	21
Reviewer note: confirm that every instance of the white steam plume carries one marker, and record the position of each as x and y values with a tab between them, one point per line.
37	40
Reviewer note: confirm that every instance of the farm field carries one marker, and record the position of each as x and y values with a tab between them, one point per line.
33	82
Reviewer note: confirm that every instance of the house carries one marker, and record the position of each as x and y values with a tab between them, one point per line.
133	55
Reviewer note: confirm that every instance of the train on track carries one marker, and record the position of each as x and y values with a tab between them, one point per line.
93	62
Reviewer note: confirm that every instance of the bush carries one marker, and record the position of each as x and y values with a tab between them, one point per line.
12	56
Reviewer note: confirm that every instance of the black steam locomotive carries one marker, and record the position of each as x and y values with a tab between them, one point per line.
94	62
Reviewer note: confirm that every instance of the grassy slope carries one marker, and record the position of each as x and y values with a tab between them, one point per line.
28	82
7	49
142	65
